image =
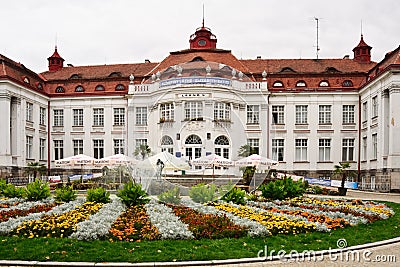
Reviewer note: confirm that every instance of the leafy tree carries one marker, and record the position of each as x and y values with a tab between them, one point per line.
246	150
36	168
342	170
143	150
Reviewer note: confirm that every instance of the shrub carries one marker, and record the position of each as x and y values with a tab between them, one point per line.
98	195
281	189
37	190
133	195
65	194
172	196
202	193
314	189
3	186
11	191
235	195
252	197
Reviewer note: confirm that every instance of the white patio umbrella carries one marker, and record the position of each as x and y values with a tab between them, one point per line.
116	160
80	160
255	160
212	160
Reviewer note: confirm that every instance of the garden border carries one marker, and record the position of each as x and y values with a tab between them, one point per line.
198	263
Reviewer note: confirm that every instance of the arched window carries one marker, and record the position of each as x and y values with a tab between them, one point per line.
120	87
222	146
222	140
277	84
301	83
193	140
79	88
287	69
324	84
167	144
99	88
347	83
60	89
40	86
75	76
197	59
115	74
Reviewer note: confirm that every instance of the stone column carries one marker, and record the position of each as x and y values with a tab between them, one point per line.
5	132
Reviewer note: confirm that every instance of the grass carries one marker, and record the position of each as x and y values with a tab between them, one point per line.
63	249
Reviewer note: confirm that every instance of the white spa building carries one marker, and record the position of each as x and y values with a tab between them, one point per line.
308	114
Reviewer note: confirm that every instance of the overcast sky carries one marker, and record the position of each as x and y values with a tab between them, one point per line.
96	32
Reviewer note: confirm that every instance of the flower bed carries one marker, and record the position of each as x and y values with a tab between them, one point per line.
7	214
134	225
208	225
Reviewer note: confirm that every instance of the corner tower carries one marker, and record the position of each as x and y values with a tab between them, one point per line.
362	52
56	62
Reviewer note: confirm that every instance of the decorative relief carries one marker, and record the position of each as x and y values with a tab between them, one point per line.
194	126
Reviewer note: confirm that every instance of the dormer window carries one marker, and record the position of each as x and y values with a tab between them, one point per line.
301	84
197	59
60	89
323	84
277	84
347	83
26	80
120	87
331	69
99	88
287	69
39	86
115	74
75	76
79	88
202	42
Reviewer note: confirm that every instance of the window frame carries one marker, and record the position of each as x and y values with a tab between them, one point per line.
348	114
301	116
324	149
77	117
301	150
58	117
325	114
348	148
98	117
278	114
141	116
253	114
278	149
119	116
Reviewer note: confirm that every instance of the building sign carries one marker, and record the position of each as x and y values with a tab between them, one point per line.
195	80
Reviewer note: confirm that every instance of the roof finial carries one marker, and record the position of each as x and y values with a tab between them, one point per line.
55	42
203	15
361	30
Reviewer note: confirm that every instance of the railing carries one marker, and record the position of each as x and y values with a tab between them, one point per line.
380	187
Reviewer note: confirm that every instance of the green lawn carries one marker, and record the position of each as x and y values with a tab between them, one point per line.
52	249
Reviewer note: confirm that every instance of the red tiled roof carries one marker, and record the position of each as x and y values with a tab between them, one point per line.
212	55
306	65
100	71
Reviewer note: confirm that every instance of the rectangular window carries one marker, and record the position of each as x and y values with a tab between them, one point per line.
58	117
194	110
29	111
98	117
58	149
364	148
167	112
119	146
254	143
347	149
324	150
78	117
42	116
364	111
222	111
374	146
253	114
348	114
78	146
98	148
324	114
42	149
301	114
29	146
119	116
141	116
375	106
277	149
278	114
141	141
301	149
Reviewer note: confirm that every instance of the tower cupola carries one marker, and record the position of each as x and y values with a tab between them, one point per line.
56	62
203	38
362	52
